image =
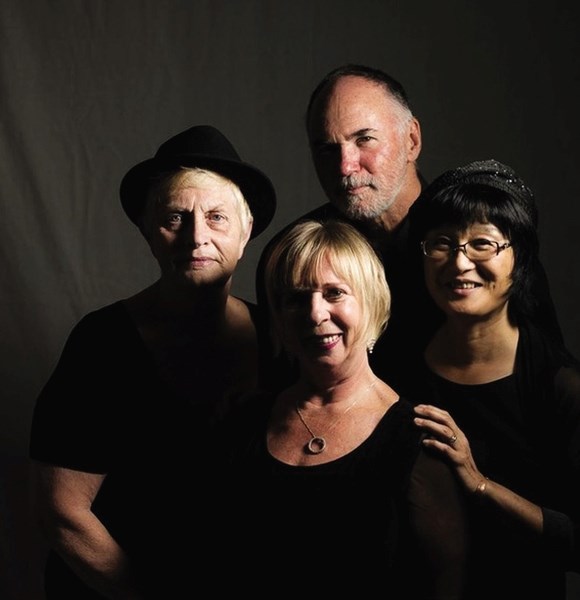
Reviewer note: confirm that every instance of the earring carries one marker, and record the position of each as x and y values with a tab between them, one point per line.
371	346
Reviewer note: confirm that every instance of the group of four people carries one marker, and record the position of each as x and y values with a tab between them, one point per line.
398	411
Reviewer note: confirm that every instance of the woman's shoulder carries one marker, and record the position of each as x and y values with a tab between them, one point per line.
102	323
397	432
402	410
255	312
540	349
107	315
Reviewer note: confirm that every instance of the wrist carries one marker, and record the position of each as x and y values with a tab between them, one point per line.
481	487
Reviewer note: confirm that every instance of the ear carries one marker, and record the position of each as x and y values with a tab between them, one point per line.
414	140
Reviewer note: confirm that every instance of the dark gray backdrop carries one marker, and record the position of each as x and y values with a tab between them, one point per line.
90	87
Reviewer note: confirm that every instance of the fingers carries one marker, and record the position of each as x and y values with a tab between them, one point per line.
442	432
442	437
433	412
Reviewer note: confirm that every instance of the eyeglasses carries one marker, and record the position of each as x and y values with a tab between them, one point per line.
477	250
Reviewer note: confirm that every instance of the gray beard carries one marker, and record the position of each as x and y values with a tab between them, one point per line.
358	211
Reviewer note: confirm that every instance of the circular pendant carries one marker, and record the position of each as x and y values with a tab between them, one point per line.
316	445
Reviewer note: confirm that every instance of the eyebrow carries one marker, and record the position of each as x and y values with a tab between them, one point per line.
361	132
355	134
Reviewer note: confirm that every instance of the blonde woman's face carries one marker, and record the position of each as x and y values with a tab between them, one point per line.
321	325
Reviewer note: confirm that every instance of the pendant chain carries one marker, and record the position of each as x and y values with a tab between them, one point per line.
317	443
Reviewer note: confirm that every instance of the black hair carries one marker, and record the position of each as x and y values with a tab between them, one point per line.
515	215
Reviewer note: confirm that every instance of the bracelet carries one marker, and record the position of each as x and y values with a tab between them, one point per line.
481	487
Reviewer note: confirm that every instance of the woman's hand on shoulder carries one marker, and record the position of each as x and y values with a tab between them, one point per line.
443	435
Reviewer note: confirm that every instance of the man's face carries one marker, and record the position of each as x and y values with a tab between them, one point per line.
364	146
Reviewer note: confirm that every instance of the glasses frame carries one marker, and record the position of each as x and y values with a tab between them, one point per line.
463	247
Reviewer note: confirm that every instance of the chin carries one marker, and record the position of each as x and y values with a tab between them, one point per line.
357	211
200	280
361	209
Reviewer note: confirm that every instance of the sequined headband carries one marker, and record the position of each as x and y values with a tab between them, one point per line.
486	172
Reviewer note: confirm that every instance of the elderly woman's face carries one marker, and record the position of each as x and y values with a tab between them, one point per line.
471	281
197	233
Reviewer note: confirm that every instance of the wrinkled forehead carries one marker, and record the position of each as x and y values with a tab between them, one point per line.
198	179
353	102
188	185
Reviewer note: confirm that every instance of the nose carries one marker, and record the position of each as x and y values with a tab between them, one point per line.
459	256
198	231
318	309
349	159
460	248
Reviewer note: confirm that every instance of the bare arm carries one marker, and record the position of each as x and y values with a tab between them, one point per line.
440	425
63	499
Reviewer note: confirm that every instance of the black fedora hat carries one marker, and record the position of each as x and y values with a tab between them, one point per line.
205	147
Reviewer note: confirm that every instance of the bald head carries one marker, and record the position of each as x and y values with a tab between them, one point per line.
365	142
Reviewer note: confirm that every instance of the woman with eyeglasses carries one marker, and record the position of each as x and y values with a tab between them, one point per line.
502	400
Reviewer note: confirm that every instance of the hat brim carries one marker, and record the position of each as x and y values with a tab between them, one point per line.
256	188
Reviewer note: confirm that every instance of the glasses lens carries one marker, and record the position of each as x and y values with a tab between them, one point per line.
478	249
438	248
481	249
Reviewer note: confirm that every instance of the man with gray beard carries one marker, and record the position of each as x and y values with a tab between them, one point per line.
365	142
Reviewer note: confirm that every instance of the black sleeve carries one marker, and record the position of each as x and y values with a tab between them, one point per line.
439	523
77	416
562	519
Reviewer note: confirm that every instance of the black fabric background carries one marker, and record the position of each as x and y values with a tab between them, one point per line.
90	87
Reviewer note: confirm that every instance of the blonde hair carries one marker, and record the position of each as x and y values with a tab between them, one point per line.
168	183
295	262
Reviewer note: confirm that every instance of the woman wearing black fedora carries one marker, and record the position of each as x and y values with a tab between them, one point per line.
142	383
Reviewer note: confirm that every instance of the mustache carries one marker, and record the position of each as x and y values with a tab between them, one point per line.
352	181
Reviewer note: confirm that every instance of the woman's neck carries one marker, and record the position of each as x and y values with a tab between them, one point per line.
473	352
209	312
323	387
199	303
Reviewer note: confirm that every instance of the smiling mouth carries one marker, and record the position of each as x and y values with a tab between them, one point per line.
323	340
463	285
328	339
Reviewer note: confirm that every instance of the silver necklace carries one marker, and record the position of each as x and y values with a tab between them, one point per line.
317	443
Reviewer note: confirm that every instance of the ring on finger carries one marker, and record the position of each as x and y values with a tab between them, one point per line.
452	439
